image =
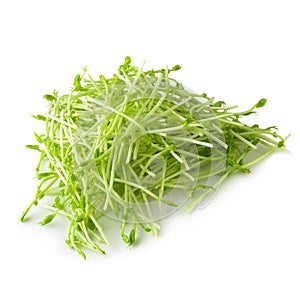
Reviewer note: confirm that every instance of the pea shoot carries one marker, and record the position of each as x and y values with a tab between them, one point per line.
137	147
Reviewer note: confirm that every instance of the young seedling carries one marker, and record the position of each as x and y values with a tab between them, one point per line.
136	147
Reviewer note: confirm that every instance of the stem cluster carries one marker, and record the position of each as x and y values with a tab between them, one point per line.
136	147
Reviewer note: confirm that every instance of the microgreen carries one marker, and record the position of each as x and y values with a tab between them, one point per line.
136	147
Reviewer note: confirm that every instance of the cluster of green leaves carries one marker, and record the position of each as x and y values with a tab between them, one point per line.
118	145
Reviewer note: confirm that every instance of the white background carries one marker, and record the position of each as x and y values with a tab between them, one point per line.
245	245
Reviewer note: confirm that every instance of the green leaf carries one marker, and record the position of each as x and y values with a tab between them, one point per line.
176	68
125	238
45	174
261	103
49	97
82	202
220	104
102	78
40	117
80	218
57	204
33	147
77	80
47	219
90	224
38	137
127	60
68	242
131	239
169	202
